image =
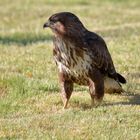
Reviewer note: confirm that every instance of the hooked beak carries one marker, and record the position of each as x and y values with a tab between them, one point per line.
46	25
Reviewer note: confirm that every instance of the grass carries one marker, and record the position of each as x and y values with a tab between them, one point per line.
30	104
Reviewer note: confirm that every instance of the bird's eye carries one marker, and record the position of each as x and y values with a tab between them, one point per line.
53	21
56	20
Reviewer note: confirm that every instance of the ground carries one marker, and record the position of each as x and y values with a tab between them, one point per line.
30	103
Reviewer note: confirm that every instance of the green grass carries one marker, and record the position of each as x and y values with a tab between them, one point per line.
30	103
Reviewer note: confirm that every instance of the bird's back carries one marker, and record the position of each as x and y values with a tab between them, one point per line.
99	53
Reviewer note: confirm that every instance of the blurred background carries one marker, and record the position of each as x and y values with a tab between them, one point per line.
28	75
22	20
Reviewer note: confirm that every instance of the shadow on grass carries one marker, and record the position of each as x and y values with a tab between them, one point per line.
134	99
23	39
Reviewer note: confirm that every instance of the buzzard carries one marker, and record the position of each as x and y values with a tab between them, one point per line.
82	57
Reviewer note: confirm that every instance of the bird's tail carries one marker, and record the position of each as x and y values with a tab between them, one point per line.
112	86
121	78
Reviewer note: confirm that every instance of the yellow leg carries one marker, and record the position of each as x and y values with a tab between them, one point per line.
67	88
65	104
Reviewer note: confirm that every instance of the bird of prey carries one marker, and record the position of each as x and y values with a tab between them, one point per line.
82	57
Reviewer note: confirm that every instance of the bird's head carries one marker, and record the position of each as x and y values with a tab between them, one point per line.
64	24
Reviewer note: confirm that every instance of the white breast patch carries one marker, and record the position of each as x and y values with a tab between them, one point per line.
68	64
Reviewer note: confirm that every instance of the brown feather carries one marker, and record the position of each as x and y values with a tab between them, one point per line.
82	57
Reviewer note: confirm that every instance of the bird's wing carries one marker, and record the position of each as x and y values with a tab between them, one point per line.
100	54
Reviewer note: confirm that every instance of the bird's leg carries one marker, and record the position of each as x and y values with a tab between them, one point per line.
96	88
92	91
67	88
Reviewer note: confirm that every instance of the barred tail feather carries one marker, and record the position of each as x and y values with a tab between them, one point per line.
112	86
